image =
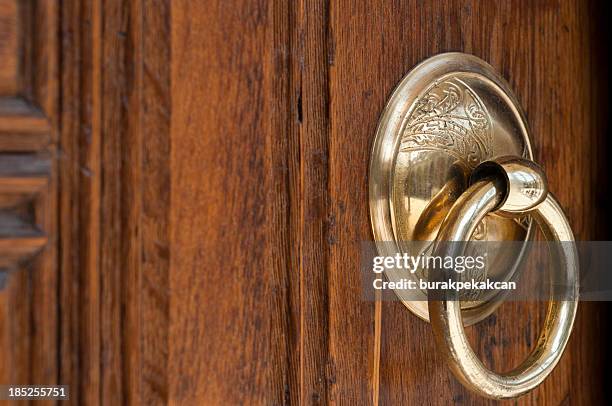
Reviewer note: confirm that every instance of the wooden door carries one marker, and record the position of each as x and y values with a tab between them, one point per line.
183	194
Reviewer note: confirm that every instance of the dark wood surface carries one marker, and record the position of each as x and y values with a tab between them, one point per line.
202	240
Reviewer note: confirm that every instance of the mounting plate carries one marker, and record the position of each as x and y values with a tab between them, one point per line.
447	115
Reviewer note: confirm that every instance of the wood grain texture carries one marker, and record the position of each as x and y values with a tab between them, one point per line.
9	47
229	242
114	198
155	178
79	173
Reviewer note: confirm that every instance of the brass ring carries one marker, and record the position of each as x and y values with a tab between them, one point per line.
479	199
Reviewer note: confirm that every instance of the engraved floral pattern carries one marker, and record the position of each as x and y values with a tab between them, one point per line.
450	117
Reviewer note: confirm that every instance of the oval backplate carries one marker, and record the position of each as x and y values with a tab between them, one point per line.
447	115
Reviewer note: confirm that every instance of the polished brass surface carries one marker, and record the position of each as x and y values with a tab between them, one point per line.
449	114
445	315
524	180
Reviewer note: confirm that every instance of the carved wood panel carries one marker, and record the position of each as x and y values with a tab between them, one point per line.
28	193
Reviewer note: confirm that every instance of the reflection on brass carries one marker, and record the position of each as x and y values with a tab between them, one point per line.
426	227
528	192
525	183
450	119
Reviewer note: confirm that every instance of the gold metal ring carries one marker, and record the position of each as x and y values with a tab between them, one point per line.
524	191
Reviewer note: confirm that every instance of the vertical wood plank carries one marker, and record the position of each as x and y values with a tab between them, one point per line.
228	270
80	188
115	199
354	61
120	202
316	367
155	177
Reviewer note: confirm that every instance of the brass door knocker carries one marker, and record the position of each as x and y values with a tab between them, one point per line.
452	161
